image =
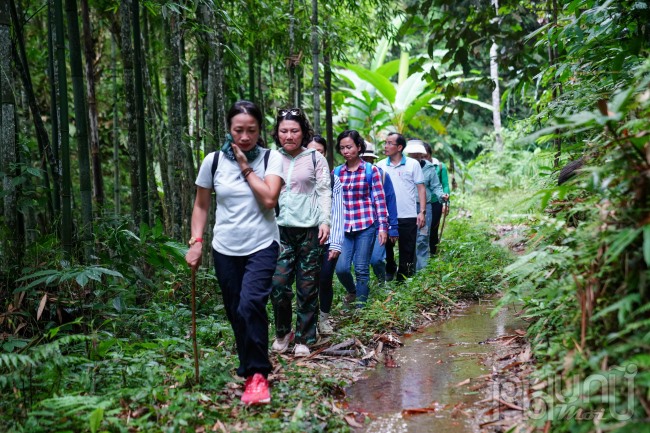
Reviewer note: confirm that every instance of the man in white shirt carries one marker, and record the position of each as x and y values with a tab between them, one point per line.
408	181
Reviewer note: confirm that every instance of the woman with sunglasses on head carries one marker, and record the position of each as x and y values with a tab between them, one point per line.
332	249
304	222
365	214
246	241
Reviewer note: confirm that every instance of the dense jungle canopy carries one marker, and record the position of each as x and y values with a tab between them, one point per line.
540	109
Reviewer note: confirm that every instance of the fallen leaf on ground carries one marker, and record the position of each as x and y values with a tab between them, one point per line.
418	411
464	382
352	422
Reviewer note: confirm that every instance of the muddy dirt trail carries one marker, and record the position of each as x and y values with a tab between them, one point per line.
429	391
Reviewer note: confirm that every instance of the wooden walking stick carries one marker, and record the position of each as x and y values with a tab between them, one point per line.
196	348
444	218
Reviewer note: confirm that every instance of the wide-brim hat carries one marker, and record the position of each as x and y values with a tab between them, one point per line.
370	150
415	146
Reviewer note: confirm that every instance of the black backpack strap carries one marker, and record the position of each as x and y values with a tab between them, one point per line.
215	163
266	159
313	159
332	181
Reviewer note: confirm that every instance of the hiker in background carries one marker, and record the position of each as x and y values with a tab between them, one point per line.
247	180
378	258
416	150
408	182
331	249
439	205
364	204
304	223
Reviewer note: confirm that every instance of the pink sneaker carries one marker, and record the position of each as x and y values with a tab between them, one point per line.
256	390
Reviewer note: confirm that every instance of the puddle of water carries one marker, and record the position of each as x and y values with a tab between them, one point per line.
431	363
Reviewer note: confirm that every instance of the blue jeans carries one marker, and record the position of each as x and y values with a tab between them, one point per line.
357	249
422	241
378	261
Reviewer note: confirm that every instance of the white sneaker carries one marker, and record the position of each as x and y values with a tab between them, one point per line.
281	345
301	351
324	325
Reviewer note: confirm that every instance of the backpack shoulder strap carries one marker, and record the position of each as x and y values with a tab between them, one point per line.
332	181
313	159
267	154
337	170
369	175
215	163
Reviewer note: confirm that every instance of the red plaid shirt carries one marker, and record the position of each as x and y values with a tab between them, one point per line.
357	202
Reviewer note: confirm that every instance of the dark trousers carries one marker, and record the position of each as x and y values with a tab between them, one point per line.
436	213
408	232
326	281
299	259
245	283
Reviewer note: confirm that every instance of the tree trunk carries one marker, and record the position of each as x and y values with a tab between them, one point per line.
85	187
153	113
329	127
53	75
8	149
176	135
130	109
116	133
496	92
293	93
93	123
42	138
139	115
315	45
64	132
209	108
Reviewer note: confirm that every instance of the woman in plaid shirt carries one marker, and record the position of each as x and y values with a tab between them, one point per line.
364	214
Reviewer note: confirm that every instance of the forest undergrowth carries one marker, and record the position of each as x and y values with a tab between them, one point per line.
125	363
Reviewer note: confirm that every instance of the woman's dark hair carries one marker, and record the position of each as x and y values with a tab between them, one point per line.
297	115
246	107
400	140
427	147
320	140
355	136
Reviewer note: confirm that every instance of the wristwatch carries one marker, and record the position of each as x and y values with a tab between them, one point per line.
423	211
194	240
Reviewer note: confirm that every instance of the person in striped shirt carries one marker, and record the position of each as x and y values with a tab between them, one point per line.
331	249
364	203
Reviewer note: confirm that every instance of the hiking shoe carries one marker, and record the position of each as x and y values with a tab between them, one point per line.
301	351
349	299
256	390
324	325
281	345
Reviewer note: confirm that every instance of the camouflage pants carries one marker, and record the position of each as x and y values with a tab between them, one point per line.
299	259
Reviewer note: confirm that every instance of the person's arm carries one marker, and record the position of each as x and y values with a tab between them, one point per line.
266	191
199	219
437	186
324	194
444	178
391	206
380	205
336	233
422	195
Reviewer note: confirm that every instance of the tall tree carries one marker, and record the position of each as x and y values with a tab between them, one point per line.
176	132
64	130
315	53
78	88
42	138
117	201
496	93
139	114
8	150
93	118
53	75
130	109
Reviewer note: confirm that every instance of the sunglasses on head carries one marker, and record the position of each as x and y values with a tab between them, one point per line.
292	111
